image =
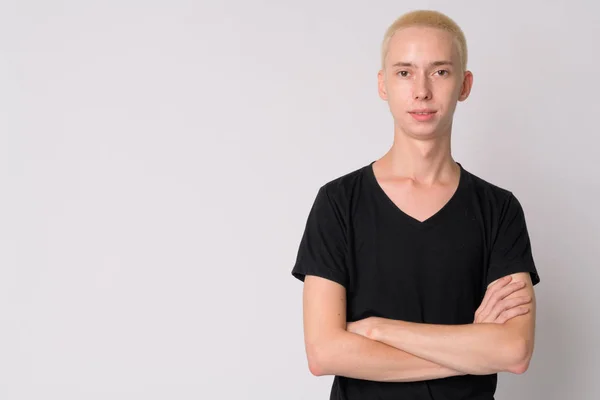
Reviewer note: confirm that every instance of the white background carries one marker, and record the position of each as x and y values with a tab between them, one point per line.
159	159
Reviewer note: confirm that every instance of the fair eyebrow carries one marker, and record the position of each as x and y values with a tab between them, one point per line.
433	64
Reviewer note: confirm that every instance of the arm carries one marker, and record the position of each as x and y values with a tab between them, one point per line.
331	350
477	349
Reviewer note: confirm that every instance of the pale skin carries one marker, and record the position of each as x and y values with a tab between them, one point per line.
497	344
335	347
422	71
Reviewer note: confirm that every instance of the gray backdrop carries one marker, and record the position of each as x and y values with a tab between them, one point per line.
159	159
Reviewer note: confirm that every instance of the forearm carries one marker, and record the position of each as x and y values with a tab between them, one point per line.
354	356
477	349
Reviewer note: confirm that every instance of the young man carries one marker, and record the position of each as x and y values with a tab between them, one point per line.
402	259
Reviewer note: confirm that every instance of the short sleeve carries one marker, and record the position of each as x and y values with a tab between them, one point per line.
322	250
511	250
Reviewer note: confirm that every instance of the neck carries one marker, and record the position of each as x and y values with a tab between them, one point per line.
426	161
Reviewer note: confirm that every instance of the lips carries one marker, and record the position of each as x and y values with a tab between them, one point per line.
422	111
422	115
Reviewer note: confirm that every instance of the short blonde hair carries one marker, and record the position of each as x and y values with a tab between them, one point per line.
428	18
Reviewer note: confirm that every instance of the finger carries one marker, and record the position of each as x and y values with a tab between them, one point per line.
497	291
510	289
507	304
512	313
501	294
492	289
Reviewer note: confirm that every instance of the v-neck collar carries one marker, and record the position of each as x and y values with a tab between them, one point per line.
408	218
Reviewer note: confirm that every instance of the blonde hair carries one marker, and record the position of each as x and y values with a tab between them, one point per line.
427	18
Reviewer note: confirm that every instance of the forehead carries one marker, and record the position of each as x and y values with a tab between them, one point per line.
419	44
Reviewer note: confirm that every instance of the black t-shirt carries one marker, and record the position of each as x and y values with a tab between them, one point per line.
394	266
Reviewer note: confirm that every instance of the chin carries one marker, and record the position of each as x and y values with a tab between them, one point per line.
426	130
426	135
422	132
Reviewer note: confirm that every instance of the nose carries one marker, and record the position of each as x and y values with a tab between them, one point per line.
421	89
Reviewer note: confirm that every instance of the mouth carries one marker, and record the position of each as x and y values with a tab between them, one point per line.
422	115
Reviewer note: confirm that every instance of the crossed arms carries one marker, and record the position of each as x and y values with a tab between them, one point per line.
386	350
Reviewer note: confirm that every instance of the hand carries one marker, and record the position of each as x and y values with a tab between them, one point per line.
495	308
363	327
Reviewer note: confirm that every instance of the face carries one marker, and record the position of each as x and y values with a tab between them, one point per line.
422	81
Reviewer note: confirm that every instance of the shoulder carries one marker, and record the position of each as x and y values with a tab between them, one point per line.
490	194
340	190
484	187
497	206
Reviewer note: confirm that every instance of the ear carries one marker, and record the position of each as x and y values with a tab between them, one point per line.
381	85
466	86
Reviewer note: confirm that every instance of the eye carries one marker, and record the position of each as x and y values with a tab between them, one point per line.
443	72
403	73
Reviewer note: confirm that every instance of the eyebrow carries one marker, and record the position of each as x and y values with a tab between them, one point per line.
433	64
